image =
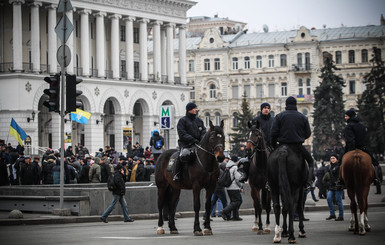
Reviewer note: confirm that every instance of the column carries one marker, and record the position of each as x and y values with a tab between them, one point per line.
17	50
143	49
100	44
70	44
130	47
182	54
170	52
163	44
85	41
35	36
52	39
115	55
157	50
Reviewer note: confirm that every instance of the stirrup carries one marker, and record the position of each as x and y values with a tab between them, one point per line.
176	178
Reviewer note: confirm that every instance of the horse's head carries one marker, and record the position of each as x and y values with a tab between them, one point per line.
255	139
217	141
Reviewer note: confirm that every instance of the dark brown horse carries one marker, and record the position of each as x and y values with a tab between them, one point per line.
358	173
201	173
258	177
287	175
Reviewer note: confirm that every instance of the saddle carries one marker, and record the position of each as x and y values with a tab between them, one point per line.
171	162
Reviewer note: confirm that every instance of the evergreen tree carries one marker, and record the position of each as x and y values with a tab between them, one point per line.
371	105
328	110
240	136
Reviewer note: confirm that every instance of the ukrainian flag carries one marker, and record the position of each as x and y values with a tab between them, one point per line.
17	132
80	116
300	98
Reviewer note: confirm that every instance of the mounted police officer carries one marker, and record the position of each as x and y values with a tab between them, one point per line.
190	131
355	137
292	127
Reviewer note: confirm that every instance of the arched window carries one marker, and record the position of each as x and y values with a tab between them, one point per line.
217	119
235	63
271	60
207	119
217	64
207	64
259	62
283	60
213	91
235	120
299	60
307	61
247	62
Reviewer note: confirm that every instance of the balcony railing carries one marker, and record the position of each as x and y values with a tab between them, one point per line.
302	68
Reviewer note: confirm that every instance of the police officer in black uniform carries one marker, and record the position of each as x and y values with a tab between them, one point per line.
190	131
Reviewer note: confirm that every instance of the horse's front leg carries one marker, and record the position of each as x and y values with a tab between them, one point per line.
258	210
300	207
161	193
266	204
172	210
197	206
207	228
277	213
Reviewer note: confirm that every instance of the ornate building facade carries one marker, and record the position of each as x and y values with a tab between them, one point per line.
108	49
270	66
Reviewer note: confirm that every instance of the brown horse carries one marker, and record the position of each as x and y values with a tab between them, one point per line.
358	173
258	177
201	173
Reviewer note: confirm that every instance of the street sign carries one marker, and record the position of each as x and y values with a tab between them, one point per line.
59	29
165	117
63	59
64	6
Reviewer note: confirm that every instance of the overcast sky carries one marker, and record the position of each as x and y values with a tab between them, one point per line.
281	15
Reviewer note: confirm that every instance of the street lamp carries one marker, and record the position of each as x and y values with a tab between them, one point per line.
33	117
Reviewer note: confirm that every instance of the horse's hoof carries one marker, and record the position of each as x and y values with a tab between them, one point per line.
292	241
255	228
198	233
266	231
174	232
351	229
160	231
362	233
207	232
277	240
302	234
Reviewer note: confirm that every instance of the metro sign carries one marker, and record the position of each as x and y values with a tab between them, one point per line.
165	117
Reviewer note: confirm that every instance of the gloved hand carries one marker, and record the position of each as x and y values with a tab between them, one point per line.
196	141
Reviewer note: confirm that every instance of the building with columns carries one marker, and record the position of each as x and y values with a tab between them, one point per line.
270	66
109	51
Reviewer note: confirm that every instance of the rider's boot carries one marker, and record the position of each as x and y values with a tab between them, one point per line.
243	169
310	178
178	168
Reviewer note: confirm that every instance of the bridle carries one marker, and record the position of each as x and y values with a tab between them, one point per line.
255	144
208	152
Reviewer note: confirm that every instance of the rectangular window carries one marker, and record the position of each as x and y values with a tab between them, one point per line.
192	94
235	63
351	56
247	90
136	70
235	91
217	64
271	61
283	60
299	60
259	91
352	86
136	35
364	56
271	90
308	86
207	64
284	89
191	65
122	65
123	33
338	57
307	61
259	62
247	63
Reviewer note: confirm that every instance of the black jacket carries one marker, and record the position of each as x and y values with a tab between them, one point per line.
47	171
290	127
28	174
333	174
120	189
155	138
355	134
104	172
265	122
84	174
190	129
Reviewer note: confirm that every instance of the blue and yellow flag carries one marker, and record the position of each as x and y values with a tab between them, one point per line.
300	98
17	132
80	116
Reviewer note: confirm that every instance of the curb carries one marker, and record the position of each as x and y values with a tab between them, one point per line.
96	218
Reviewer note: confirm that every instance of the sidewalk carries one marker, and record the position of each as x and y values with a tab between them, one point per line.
36	218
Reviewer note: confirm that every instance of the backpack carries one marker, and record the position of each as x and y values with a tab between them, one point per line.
224	179
111	183
158	144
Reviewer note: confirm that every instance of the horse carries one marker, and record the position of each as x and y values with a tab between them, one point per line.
358	173
287	175
201	173
256	146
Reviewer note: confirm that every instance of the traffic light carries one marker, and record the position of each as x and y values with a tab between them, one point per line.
53	92
72	93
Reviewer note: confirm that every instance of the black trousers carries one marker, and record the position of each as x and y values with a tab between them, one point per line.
235	203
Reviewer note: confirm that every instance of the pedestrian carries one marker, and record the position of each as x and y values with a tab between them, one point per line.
147	153
47	169
105	170
320	173
84	171
334	189
4	177
95	171
234	191
190	131
35	162
118	194
156	143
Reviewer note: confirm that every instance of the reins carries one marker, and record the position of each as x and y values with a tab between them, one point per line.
203	149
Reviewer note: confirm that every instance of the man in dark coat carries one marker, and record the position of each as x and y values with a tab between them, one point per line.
104	171
28	172
47	169
292	127
190	131
84	171
118	193
156	143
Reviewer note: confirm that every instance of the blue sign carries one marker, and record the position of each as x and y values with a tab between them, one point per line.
165	122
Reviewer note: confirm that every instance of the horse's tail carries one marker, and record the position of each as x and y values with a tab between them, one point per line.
284	185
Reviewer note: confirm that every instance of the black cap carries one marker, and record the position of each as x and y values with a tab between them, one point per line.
234	158
291	101
351	113
263	105
334	155
190	106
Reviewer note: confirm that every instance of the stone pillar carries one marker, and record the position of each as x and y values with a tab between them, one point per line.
52	39
182	54
70	44
100	44
130	47
85	41
143	49
35	36
170	52
17	49
115	55
163	44
157	50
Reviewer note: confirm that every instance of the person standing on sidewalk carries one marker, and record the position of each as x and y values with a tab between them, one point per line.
118	193
335	190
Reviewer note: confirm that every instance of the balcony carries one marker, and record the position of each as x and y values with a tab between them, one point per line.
302	69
